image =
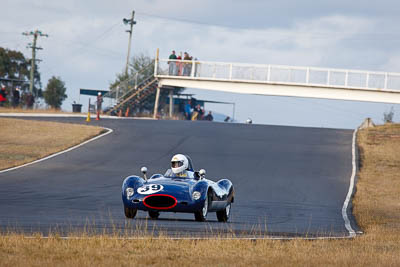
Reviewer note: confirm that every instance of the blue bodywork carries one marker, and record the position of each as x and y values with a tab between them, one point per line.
187	192
182	189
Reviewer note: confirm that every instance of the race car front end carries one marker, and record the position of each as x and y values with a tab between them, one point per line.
168	196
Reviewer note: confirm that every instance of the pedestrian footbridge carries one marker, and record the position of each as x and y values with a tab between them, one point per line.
277	80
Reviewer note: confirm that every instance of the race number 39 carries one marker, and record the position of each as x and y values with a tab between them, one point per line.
150	189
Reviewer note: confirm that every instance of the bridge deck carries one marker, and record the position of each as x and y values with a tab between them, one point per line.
309	76
281	80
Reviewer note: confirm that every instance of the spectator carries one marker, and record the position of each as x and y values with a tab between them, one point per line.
16	97
30	100
99	101
179	65
188	110
196	67
201	113
187	66
3	95
196	113
172	64
209	117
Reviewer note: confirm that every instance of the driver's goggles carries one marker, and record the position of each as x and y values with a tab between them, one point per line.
176	164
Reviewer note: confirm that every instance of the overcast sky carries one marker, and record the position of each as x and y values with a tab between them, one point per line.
87	45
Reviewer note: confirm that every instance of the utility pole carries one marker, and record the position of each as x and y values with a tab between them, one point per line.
131	22
34	48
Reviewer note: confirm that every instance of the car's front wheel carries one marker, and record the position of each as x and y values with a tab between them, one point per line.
130	212
154	214
223	215
201	215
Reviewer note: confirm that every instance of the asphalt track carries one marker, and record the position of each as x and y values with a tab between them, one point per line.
289	181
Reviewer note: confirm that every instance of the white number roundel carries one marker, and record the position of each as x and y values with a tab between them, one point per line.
150	189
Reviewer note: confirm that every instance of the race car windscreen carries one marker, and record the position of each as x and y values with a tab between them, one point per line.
170	174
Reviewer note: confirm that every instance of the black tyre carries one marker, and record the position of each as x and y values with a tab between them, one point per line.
223	215
201	215
130	213
154	214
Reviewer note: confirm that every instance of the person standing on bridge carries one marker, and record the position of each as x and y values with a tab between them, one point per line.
172	64
187	66
179	65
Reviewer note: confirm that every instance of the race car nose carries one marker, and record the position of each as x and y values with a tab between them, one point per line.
160	201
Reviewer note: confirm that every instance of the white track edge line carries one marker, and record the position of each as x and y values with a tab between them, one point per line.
197	238
347	223
351	231
59	153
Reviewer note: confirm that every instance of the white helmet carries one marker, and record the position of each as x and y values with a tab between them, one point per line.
179	163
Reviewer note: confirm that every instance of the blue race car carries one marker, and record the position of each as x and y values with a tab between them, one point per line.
180	189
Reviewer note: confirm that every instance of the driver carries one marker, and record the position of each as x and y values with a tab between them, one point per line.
180	165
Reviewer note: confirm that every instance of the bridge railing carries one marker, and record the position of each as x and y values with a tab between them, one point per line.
278	74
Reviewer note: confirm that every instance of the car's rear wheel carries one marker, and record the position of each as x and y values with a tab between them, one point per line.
201	215
223	215
154	214
130	212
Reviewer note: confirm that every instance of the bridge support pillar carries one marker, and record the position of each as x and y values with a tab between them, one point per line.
171	103
156	102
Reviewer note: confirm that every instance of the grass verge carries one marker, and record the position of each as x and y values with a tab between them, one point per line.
21	110
23	141
376	207
377	201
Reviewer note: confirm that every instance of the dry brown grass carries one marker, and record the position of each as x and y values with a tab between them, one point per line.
24	141
368	250
21	110
377	202
376	208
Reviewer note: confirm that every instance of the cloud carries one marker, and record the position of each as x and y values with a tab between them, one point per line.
306	43
88	43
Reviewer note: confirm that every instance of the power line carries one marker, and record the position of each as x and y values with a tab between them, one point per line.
84	47
390	36
185	20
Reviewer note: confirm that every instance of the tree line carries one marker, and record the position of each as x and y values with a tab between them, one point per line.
15	74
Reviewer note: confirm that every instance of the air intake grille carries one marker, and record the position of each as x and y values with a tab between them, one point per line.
161	202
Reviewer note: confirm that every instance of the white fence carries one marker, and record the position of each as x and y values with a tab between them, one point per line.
308	76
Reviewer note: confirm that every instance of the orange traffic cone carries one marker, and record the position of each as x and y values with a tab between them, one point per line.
98	116
127	112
